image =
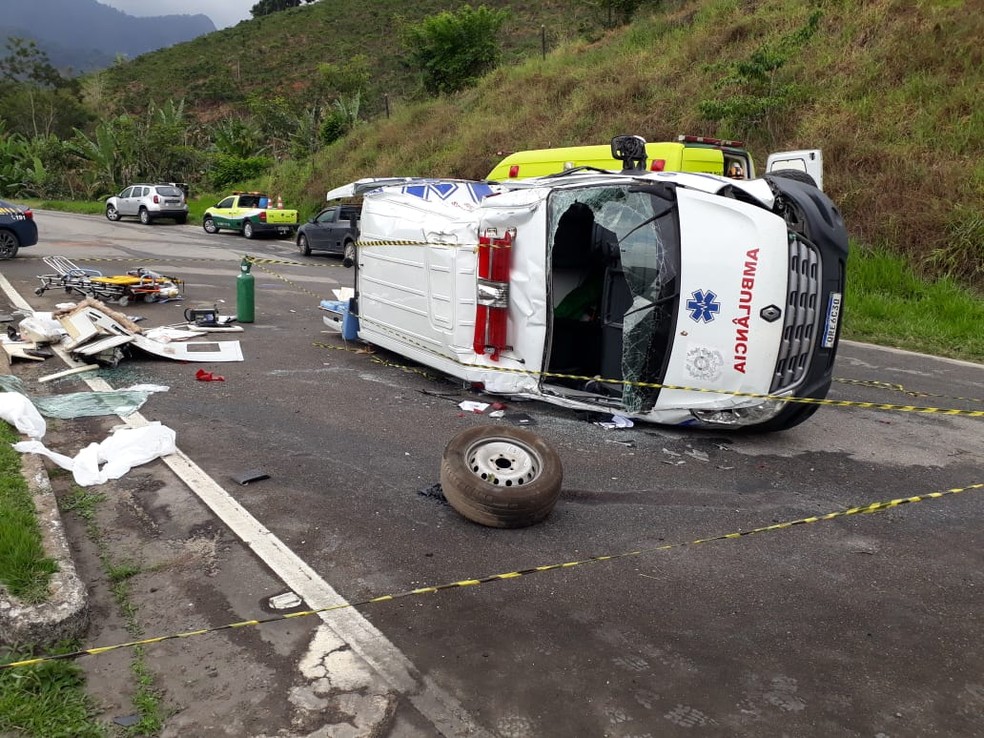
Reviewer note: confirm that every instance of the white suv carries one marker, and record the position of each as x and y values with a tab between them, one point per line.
148	202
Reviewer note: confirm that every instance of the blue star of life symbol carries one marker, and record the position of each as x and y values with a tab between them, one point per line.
703	306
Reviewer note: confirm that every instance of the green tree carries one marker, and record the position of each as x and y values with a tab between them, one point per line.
453	49
35	100
25	62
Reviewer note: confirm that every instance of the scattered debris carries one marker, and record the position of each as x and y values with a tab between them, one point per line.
473	406
434	491
617	421
699	455
627	444
285	601
203	376
99	334
519	418
253	475
67	373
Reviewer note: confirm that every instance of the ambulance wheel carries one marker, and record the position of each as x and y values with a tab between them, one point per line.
501	477
303	246
248	229
209	225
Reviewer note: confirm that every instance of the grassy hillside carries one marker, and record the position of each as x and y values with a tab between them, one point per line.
279	53
889	89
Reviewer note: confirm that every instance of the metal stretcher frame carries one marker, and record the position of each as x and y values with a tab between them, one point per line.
121	288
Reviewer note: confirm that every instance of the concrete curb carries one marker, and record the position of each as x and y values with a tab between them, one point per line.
65	615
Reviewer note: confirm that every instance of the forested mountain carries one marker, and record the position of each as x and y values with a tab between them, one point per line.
85	35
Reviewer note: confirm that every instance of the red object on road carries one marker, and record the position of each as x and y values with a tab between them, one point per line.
203	376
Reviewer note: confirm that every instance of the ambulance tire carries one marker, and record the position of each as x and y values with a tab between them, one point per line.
796	175
501	477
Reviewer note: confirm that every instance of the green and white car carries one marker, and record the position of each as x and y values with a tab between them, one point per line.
251	214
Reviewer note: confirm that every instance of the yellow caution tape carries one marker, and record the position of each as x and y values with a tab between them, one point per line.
874	507
899	388
705	390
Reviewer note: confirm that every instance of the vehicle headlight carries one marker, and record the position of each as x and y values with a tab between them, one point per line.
741	415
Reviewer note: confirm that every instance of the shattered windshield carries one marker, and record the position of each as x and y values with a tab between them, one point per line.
636	227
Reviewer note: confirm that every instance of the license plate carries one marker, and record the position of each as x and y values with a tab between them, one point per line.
283	231
833	318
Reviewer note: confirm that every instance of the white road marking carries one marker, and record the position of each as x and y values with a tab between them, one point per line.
444	712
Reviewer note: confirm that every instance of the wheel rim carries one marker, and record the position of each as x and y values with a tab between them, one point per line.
503	462
111	212
302	242
144	217
247	230
8	245
209	225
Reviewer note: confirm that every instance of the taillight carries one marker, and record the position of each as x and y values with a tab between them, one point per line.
263	216
492	308
29	214
658	165
514	171
156	199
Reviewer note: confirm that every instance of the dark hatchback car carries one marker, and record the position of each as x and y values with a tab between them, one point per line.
335	230
17	229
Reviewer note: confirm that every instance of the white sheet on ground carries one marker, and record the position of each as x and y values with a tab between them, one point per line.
125	449
20	412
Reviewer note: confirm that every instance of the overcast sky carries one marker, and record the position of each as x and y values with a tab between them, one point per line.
222	12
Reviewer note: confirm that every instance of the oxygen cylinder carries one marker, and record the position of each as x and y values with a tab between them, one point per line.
245	308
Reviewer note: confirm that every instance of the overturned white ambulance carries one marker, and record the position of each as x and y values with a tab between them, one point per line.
675	298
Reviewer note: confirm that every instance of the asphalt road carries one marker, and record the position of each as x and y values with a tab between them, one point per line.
866	625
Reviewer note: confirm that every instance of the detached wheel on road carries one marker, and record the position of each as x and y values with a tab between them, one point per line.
501	477
209	225
112	213
248	229
303	246
9	244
